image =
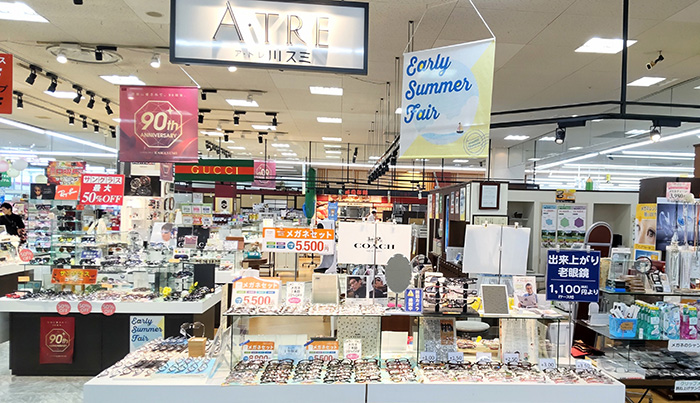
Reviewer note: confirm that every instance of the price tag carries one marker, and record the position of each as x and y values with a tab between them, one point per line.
258	350
455	357
322	350
583	364
299	240
572	275
84	307
353	349
293	351
511	358
483	357
684	346
295	293
429	356
686	387
26	255
255	291
547	363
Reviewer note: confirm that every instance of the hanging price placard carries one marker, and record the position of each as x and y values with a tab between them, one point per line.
299	240
255	291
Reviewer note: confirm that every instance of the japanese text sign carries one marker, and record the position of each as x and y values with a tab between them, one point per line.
573	275
322	350
255	291
102	189
74	276
414	300
5	83
64	172
56	340
676	191
299	240
258	350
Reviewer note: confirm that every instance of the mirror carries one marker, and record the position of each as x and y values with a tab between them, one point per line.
398	273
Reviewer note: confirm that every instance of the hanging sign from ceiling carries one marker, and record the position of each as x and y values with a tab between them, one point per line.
216	170
6	66
305	35
446	101
158	124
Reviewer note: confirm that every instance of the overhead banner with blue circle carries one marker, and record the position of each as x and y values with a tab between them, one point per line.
446	101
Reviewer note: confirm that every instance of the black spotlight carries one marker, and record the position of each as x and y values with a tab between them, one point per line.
54	82
236	120
560	135
260	138
95	126
71	117
78	94
84	121
91	102
78	2
32	74
20	101
200	118
108	108
98	54
226	135
354	156
204	96
113	131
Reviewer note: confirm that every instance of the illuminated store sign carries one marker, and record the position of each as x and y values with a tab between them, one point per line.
327	36
216	170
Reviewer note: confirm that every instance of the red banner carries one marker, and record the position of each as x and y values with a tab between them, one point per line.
6	83
67	192
102	189
158	124
56	340
265	172
74	276
64	173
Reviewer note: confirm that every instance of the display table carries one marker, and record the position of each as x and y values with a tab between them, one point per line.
8	283
100	340
107	390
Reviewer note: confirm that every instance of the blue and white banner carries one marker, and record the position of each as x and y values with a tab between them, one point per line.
446	101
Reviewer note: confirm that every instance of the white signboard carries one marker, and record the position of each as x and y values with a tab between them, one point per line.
143	329
318	35
359	242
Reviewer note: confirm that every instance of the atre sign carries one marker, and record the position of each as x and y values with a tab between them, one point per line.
312	35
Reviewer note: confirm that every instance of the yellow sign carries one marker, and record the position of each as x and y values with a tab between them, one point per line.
566	196
645	227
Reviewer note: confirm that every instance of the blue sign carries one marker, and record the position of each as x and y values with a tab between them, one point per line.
414	300
333	211
573	275
294	352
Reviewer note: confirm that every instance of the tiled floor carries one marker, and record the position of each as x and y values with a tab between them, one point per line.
37	389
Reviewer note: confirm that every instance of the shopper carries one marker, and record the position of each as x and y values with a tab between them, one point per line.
13	223
372	217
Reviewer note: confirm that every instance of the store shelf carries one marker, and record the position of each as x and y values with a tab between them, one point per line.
604	331
13	268
687	293
170	307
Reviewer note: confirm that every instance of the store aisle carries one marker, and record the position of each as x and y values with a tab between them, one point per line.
37	389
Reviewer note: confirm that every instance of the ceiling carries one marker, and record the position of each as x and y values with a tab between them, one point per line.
535	66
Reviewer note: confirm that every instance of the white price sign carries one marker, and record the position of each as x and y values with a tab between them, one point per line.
684	346
547	363
483	357
299	240
353	349
686	387
455	357
295	293
583	364
511	358
429	356
255	291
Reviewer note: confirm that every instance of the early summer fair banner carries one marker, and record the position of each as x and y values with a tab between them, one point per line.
158	124
446	101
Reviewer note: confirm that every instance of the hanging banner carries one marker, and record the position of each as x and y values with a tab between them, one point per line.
372	243
645	226
143	329
42	191
5	180
265	172
299	240
6	67
216	171
102	189
158	124
573	275
446	101
64	172
312	35
56	340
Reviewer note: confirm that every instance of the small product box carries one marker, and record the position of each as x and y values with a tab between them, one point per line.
623	328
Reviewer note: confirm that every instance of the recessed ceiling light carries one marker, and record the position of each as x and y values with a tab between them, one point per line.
333	152
374	157
19	12
459	161
289	154
332	145
646	81
547	138
243	102
212	133
123	80
332	139
597	120
61	94
333	156
516	137
326	91
235	148
329	120
280	145
575	148
636	132
232	69
602	45
534	159
264	127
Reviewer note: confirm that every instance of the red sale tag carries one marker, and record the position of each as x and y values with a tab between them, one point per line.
84	307
108	309
63	308
102	189
26	255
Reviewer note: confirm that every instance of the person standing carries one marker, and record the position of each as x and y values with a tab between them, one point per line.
13	223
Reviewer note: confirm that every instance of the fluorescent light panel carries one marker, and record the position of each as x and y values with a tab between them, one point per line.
321	119
603	45
62	94
235	148
332	145
123	80
659	153
34	154
546	138
243	102
516	137
331	139
562	162
652	157
264	127
646	81
326	91
280	145
57	135
333	152
17	11
459	161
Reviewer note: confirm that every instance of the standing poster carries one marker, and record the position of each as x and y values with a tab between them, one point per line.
158	124
468	202
645	226
525	291
265	172
43	191
573	275
673	218
549	225
102	189
446	101
571	225
430	206
462	204
143	329
333	210
56	340
64	172
6	66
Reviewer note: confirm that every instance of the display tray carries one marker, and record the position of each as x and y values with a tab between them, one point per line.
174	307
105	390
